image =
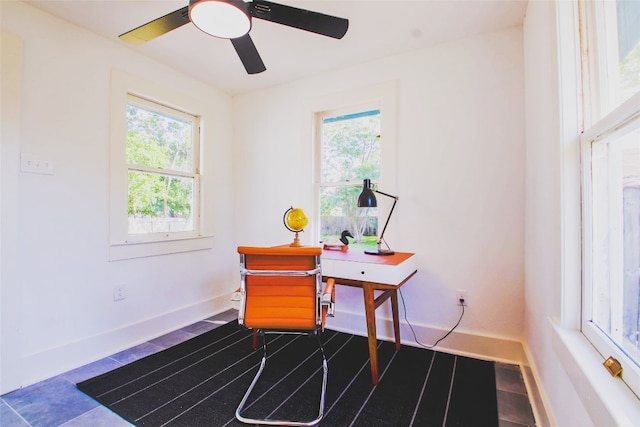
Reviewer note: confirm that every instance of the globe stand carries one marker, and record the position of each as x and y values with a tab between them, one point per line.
296	242
295	220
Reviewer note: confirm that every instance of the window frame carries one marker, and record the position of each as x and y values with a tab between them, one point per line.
122	245
381	97
319	118
601	119
194	173
610	126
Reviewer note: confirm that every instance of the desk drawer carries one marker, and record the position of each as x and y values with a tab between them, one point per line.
370	272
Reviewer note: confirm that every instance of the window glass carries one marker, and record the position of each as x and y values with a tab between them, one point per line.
628	26
158	140
349	153
162	176
614	36
159	203
615	248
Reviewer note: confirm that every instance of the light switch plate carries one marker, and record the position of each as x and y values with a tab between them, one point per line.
31	163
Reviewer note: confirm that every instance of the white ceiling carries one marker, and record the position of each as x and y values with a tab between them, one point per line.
377	28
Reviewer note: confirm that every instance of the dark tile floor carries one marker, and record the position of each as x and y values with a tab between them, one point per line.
514	408
57	401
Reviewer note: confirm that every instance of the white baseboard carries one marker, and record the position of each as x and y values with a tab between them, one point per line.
50	362
537	396
458	342
54	361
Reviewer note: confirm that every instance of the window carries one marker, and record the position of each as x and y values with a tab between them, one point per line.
162	154
611	182
156	205
349	146
354	139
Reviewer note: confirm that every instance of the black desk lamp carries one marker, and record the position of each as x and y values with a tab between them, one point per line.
367	199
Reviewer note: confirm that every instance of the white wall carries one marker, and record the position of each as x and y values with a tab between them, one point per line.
459	176
57	284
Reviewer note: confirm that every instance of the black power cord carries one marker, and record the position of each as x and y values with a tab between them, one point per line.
441	338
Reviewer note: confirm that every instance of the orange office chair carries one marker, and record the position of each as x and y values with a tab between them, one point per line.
281	291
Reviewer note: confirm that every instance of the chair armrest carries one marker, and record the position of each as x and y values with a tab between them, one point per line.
329	293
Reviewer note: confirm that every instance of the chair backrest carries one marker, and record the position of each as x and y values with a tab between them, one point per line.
281	288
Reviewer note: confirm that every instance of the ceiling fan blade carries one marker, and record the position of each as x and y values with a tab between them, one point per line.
157	27
248	54
302	19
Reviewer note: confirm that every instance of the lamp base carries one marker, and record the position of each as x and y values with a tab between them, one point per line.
380	252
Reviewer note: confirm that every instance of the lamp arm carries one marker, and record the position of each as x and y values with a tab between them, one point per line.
385	194
395	200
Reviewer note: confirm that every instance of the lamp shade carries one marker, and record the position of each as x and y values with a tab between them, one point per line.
227	19
367	199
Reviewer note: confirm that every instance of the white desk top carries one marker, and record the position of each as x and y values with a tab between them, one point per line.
356	265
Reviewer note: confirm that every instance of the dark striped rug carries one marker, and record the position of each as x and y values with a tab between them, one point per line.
201	381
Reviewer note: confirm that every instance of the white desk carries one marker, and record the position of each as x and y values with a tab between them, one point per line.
371	273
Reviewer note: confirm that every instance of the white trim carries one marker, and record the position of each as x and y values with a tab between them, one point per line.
130	250
11	336
121	246
630	372
54	361
623	119
458	342
537	396
570	114
608	400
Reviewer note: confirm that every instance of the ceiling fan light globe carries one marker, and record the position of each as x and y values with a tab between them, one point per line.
224	19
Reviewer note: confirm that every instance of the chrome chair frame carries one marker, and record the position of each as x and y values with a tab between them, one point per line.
322	301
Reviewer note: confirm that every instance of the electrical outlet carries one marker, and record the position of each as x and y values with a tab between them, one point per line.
119	293
462	295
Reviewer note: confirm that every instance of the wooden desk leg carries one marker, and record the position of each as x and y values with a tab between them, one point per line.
396	318
370	311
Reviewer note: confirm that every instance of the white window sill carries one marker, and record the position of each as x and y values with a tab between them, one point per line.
608	400
122	251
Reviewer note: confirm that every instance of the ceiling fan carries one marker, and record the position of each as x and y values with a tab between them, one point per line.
231	19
